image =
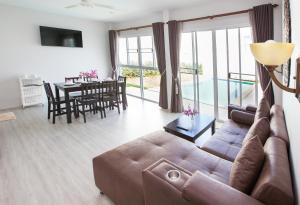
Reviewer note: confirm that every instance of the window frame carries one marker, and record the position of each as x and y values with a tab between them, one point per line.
140	67
193	69
139	52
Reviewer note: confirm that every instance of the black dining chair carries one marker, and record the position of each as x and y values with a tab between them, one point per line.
122	79
89	79
55	105
100	100
88	99
110	94
73	79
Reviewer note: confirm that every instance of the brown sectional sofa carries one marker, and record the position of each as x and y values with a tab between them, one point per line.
136	173
227	140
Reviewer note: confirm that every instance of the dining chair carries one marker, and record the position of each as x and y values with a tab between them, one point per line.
100	100
73	79
89	79
88	99
122	79
54	105
110	94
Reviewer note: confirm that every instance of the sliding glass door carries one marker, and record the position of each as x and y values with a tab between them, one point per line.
218	69
138	65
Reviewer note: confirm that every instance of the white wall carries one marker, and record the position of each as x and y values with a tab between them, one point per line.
218	23
21	51
290	103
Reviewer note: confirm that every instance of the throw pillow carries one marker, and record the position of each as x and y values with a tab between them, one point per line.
247	166
261	128
263	109
242	117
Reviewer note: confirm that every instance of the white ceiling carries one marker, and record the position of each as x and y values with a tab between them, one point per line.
126	9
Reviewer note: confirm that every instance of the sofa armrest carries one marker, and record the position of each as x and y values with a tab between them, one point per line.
189	189
234	107
251	108
201	189
158	190
242	117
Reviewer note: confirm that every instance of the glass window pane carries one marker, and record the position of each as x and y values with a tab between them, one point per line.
133	59
146	50
151	82
186	51
205	68
221	53
132	43
122	51
233	47
205	54
247	59
146	42
248	67
133	86
147	59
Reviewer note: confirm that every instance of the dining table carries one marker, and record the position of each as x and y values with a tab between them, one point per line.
75	87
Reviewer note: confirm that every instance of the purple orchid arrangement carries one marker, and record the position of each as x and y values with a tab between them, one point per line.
190	112
89	74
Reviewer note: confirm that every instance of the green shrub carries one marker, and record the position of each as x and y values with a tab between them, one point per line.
130	72
151	73
133	72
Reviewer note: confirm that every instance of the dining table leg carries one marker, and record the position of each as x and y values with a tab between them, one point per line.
58	99
68	107
124	98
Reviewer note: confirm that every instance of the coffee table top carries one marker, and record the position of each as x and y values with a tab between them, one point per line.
182	126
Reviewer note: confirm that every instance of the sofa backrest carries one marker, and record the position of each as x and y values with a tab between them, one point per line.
277	124
274	185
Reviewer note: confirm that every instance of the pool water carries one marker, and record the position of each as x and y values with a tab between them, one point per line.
206	93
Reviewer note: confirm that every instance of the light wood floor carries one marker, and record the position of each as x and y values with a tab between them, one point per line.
43	164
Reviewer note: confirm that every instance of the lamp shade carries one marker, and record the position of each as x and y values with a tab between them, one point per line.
272	53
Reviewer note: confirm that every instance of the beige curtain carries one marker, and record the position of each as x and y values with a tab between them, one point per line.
159	43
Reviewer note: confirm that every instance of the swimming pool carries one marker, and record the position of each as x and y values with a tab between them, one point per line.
206	93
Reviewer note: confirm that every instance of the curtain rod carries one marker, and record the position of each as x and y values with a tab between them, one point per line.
197	19
221	15
134	28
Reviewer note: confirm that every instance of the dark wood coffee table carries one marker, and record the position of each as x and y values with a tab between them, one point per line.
180	127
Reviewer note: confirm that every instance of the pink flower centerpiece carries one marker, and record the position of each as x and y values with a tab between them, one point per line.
89	74
190	112
93	74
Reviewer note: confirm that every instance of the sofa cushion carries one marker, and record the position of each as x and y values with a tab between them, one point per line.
242	117
263	109
118	173
261	128
227	141
277	124
274	185
236	129
247	165
220	148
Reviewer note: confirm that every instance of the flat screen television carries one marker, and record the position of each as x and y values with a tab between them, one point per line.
60	37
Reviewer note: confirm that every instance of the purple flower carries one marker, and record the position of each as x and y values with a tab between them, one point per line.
93	74
89	74
190	112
